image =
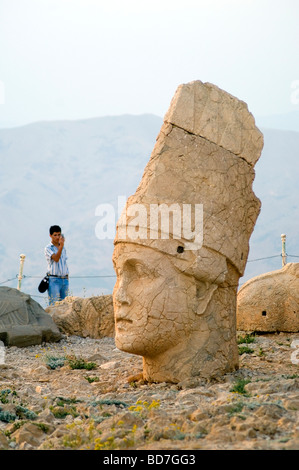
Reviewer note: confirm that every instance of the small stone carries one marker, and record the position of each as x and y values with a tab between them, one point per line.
198	415
292	404
251	433
110	365
29	433
96	358
135	378
47	416
3	441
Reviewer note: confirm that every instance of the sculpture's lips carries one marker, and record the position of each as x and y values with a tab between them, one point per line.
122	322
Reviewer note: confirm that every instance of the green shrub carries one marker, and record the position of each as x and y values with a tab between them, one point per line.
3	395
246	339
53	362
7	417
23	412
91	379
61	401
80	363
109	402
239	386
235	408
60	412
245	350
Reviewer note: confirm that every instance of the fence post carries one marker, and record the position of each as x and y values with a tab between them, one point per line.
2	353
20	276
283	252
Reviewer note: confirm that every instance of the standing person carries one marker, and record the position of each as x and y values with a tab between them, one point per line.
57	266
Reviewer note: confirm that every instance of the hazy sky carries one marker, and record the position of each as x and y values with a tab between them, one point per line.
74	59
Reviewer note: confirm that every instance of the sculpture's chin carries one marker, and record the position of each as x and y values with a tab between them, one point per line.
134	343
125	342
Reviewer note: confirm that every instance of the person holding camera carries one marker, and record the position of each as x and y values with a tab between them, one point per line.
57	266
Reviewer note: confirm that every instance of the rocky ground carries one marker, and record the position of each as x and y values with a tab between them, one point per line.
83	393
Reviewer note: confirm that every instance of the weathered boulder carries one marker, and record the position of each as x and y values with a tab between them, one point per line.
270	302
177	267
4	443
23	322
92	317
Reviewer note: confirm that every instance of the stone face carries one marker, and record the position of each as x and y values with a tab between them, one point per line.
175	295
23	322
93	317
270	302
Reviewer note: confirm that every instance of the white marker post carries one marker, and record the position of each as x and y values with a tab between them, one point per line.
2	353
283	252
20	276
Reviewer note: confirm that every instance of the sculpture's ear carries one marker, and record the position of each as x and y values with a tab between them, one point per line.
204	292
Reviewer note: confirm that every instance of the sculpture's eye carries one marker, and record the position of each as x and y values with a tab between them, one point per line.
138	270
180	249
141	270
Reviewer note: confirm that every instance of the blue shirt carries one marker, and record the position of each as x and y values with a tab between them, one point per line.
55	268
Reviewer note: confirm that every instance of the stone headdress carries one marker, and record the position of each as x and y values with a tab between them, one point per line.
204	156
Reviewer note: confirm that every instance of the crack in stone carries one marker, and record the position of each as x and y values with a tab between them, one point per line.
211	142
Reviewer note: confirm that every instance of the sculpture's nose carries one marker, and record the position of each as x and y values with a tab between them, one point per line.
121	294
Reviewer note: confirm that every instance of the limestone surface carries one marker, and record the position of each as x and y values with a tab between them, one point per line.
23	321
183	238
270	302
208	111
92	317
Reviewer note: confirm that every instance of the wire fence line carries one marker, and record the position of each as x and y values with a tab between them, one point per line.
274	256
8	280
40	277
73	277
114	275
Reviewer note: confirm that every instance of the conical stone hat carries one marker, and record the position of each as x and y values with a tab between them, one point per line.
203	161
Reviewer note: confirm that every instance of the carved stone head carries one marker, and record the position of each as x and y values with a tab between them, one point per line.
183	239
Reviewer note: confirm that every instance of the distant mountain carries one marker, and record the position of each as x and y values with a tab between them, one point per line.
59	172
276	185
